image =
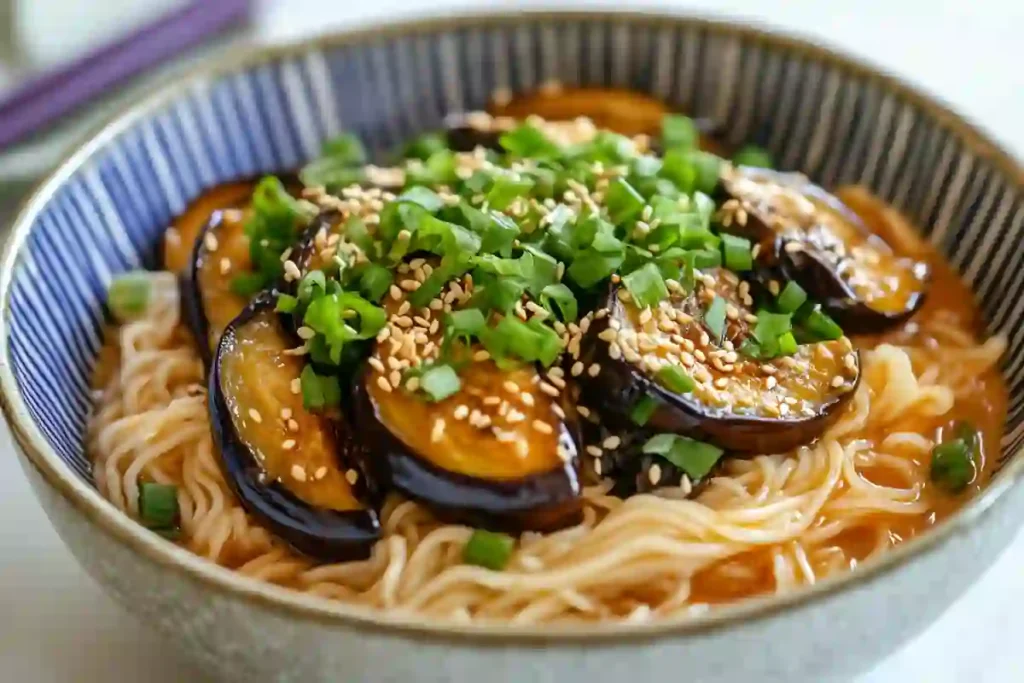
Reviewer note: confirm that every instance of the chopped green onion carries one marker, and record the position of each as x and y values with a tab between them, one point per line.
286	303
821	326
422	196
439	382
707	166
319	391
425	145
623	202
310	282
770	326
679	131
643	409
792	298
952	465
247	284
506	190
158	505
755	156
736	253
272	226
488	549
339	164
346	148
696	458
675	379
375	281
714	317
558	296
128	296
969	434
531	342
591	266
527	141
646	285
787	344
677	168
469	321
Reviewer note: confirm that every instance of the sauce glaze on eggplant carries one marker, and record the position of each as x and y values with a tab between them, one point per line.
738	403
285	463
810	236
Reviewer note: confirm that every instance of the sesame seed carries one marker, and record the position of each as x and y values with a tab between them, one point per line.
481	355
595	451
396	378
305	333
210	241
492	400
722	382
577	369
837	381
286	413
556	380
288	444
291	271
255	415
548	389
594	370
225	266
461	411
351	476
771	382
611	443
514	416
654	474
438	431
296	386
383	383
320	473
376	364
298	473
527	398
293	426
543	427
614	352
395	292
583	410
597	467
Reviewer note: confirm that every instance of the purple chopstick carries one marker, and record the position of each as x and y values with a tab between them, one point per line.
42	100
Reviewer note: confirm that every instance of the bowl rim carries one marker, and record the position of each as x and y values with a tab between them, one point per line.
42	458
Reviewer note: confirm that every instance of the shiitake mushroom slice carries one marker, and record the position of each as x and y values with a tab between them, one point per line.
498	453
737	403
286	464
810	236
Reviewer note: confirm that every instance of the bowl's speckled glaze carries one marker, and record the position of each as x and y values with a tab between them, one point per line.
816	111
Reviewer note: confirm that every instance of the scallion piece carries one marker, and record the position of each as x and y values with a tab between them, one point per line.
792	298
696	458
506	190
755	156
787	344
623	202
425	145
714	317
528	141
592	266
558	296
439	382
345	148
375	281
646	285
821	326
128	296
318	392
770	326
952	465
158	505
679	131
736	253
642	410
488	549
286	303
675	379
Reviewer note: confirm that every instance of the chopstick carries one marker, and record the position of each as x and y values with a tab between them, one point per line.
42	100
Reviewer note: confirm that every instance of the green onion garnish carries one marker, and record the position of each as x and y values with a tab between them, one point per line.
339	164
696	458
345	148
675	379
439	381
488	549
158	505
714	317
952	465
558	296
591	266
646	285
823	328
755	156
425	145
128	296
506	190
319	391
679	131
642	410
286	303
787	344
770	326
792	297
375	281
736	253
623	202
527	141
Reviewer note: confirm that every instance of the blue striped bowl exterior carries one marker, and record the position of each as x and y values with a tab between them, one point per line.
837	121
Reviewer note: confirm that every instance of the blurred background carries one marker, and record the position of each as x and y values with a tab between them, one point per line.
67	65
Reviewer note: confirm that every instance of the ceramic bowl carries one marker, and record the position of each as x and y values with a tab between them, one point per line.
104	210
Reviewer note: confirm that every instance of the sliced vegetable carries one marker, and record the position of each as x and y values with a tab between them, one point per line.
158	505
128	295
488	549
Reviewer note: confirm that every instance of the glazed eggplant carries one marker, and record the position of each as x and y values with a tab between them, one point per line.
217	204
810	236
221	251
283	461
497	453
697	379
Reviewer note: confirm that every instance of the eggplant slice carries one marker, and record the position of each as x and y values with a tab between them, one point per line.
810	236
739	404
209	207
498	453
221	251
284	462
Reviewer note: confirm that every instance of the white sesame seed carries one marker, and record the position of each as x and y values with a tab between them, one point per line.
548	389
298	473
320	473
438	431
654	474
351	476
611	443
594	370
837	381
577	369
296	386
594	451
376	364
583	410
291	271
527	398
288	444
542	427
305	333
210	242
383	383
293	426
461	411
225	266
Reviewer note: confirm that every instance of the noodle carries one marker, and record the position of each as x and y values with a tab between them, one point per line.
766	524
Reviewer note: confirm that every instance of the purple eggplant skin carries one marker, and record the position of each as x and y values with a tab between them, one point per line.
622	384
323	534
811	267
541	502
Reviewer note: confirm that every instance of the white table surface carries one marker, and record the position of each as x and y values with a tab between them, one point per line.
56	624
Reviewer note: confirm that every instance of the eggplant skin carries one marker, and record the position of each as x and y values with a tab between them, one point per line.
327	535
192	294
621	385
541	502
